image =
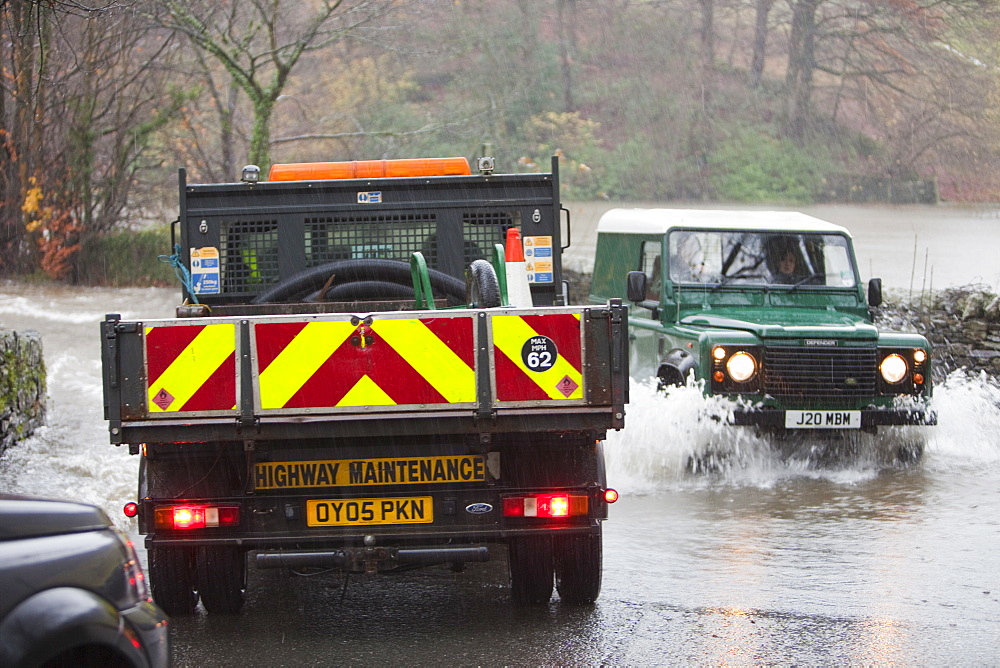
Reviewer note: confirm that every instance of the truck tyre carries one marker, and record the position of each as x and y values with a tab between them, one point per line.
171	577
310	280
483	287
530	563
363	290
578	567
222	578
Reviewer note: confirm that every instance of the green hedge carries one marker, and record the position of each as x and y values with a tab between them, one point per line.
123	259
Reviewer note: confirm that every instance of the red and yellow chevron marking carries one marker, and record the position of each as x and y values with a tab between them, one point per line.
516	381
391	362
191	368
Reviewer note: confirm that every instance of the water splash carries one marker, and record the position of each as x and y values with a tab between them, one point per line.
968	407
681	440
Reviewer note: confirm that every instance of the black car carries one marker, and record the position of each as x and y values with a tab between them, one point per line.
72	590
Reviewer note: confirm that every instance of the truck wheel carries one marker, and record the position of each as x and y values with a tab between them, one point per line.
530	563
222	578
578	567
484	288
171	577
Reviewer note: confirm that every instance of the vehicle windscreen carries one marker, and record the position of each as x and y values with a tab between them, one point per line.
760	258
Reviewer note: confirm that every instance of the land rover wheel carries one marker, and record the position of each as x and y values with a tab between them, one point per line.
222	578
171	578
578	567
530	563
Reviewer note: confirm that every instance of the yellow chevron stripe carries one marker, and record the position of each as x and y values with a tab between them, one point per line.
366	393
196	363
430	357
300	359
509	335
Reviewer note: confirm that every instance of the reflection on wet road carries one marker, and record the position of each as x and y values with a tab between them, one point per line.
805	571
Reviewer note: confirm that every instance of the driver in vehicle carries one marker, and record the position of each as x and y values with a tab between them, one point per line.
785	262
787	268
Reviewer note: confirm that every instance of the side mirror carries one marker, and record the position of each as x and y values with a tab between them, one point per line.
636	286
875	292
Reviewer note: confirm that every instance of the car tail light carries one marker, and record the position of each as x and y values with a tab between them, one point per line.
610	495
189	516
551	506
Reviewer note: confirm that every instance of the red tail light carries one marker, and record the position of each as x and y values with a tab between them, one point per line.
610	495
546	505
191	516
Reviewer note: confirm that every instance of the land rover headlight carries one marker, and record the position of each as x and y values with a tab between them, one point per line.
893	368
741	366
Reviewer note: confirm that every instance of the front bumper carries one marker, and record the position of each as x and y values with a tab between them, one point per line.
870	417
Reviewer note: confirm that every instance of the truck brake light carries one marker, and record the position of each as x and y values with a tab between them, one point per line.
190	516
545	505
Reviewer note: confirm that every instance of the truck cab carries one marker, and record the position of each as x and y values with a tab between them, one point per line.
764	307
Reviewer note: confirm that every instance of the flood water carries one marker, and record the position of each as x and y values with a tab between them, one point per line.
836	555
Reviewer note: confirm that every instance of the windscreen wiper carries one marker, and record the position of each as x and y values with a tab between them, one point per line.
803	280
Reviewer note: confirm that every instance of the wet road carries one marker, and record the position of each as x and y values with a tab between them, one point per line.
842	558
805	572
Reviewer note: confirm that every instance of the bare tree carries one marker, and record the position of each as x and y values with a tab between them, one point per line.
868	48
79	112
259	43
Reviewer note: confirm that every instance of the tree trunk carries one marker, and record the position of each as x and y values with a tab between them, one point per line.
566	32
763	8
801	63
260	135
707	36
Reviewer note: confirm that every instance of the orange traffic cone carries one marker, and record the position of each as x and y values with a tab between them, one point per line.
518	290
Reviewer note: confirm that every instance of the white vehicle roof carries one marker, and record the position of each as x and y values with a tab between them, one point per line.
660	221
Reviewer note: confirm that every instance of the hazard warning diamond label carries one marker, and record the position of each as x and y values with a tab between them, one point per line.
163	399
567	386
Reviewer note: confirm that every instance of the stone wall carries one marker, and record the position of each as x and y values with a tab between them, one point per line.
22	386
962	323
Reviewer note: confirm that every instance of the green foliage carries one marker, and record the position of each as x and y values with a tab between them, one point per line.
126	258
574	140
752	166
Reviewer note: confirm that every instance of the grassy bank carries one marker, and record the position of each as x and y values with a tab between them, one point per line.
124	259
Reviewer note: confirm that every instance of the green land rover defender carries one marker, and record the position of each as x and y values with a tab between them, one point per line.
762	306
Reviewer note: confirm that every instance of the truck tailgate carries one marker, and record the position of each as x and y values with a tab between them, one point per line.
412	372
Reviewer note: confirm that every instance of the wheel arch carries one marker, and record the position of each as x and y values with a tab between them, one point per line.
675	367
59	620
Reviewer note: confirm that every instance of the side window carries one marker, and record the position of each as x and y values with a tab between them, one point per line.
839	269
651	265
